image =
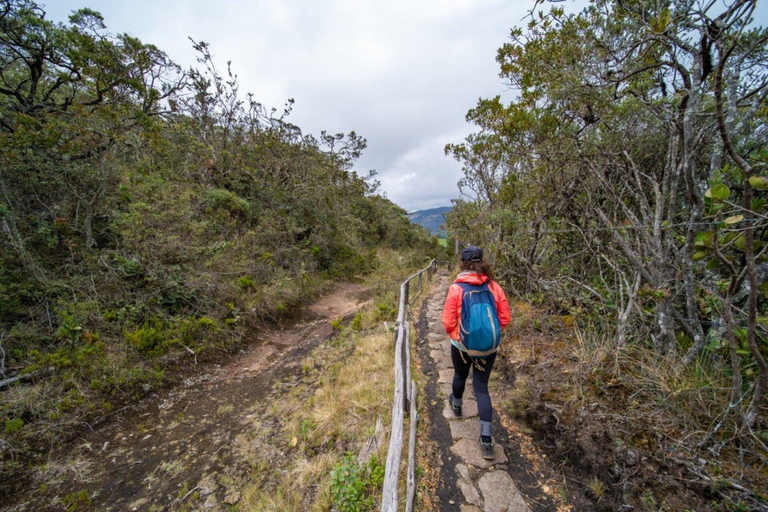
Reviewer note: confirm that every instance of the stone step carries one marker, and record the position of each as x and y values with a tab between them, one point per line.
500	494
470	492
441	358
469	429
468	450
468	409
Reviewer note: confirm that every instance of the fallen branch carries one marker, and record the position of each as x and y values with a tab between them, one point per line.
191	352
23	378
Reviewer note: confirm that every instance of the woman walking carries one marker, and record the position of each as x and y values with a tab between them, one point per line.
475	334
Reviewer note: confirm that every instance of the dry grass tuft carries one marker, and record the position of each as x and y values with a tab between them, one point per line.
352	379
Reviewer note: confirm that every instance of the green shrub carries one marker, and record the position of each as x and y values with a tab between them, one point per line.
246	283
150	339
357	322
222	199
77	500
13	426
354	488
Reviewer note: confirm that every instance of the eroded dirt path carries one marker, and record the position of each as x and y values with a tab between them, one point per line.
200	440
517	479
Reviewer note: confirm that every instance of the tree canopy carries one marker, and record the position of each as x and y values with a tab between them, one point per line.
627	180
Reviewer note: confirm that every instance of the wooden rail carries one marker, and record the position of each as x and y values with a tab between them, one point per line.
405	396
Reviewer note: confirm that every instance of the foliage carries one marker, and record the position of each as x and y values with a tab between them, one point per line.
627	181
79	500
146	210
353	487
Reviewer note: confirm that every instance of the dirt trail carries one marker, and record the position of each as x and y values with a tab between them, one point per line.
200	439
517	480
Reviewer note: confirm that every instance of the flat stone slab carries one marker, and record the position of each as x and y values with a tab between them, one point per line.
469	429
438	345
445	376
444	390
500	493
470	508
441	359
471	495
468	409
468	450
463	471
433	336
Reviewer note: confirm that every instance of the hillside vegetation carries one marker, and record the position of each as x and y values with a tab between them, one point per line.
148	212
624	189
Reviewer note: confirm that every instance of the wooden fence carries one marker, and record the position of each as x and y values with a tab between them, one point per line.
405	398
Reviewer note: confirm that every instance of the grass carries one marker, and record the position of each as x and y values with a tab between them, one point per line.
333	420
626	399
104	358
326	418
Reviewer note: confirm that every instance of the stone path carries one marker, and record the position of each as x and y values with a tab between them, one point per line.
485	484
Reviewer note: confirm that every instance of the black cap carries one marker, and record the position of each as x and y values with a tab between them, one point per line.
472	253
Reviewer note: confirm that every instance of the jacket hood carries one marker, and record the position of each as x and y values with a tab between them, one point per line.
471	278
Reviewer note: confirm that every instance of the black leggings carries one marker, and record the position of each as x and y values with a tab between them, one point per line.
479	380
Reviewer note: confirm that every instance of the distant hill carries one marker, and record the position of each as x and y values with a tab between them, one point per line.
431	219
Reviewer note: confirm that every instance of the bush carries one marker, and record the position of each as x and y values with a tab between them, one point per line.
151	339
222	199
13	425
353	488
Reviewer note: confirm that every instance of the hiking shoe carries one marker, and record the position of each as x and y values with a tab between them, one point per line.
456	408
486	444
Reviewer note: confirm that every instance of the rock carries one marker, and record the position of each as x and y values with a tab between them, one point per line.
442	358
445	376
468	409
463	471
232	497
500	493
467	428
468	450
470	493
470	508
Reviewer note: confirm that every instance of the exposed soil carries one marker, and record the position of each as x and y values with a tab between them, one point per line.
197	441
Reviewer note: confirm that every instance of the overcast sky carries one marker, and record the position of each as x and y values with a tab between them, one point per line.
401	73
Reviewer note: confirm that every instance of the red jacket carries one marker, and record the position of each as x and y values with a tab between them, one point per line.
452	308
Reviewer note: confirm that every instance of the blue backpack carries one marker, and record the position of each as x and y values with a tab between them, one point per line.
479	324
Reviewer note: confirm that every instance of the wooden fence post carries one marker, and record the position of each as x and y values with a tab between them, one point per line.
411	475
391	470
407	367
405	396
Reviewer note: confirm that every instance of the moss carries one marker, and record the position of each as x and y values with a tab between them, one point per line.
13	426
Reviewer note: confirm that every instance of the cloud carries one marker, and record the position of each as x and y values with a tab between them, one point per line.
422	177
402	73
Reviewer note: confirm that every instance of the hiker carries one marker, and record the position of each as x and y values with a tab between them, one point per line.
475	334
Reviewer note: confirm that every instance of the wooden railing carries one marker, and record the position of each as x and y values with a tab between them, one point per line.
405	396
